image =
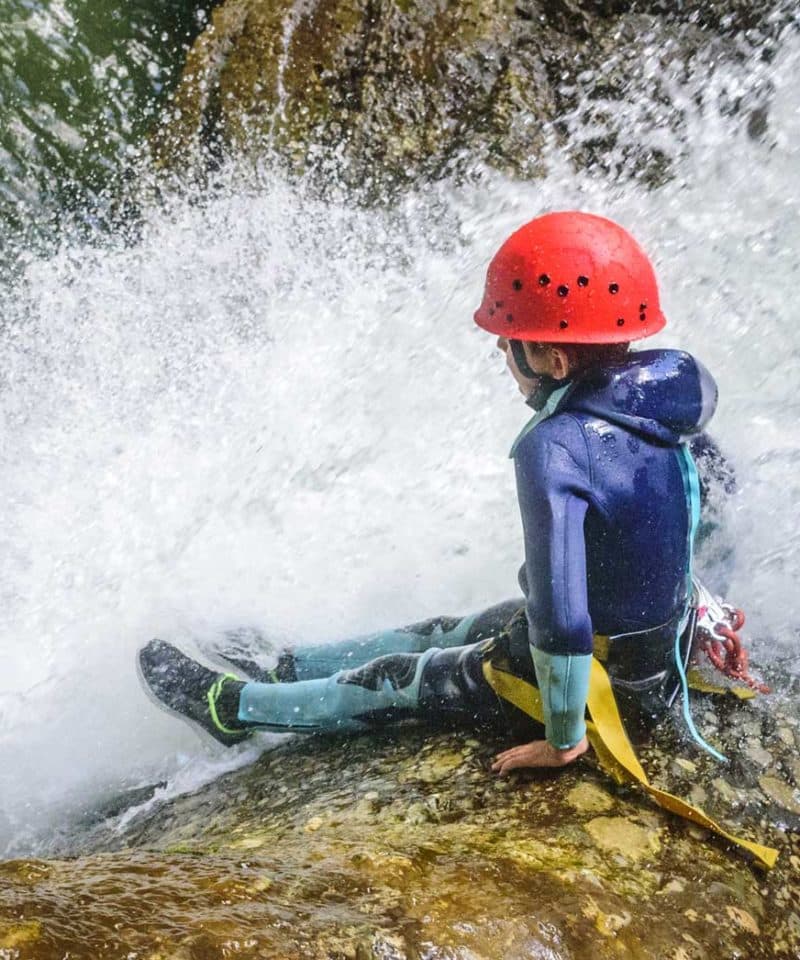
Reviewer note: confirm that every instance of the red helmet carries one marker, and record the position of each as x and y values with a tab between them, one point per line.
571	278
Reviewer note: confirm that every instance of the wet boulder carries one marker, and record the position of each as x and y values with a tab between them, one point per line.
377	94
405	846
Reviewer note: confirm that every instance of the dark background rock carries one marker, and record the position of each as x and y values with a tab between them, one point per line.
384	92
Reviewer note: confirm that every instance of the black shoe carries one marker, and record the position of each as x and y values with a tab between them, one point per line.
181	685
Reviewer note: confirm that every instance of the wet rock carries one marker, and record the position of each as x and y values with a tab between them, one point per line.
606	924
437	767
786	735
361	856
375	95
697	795
781	793
682	766
589	798
418	813
673	887
725	790
743	919
15	935
758	754
620	835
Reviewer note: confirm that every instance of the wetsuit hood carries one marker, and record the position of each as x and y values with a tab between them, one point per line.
665	395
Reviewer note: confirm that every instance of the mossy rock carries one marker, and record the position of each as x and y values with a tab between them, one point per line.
405	846
378	93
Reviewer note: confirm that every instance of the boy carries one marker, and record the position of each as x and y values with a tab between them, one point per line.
609	498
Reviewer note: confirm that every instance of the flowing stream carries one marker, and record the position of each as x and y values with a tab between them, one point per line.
275	411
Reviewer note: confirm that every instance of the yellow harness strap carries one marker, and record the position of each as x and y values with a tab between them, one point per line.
698	682
607	736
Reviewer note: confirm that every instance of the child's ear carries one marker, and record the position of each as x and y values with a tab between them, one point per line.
560	363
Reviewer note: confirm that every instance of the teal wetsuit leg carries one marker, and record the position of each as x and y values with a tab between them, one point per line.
325	659
387	689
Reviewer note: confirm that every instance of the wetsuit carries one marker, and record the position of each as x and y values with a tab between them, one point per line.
607	489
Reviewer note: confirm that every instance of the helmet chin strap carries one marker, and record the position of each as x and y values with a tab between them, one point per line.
521	359
544	384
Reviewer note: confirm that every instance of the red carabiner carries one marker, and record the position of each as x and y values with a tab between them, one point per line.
726	651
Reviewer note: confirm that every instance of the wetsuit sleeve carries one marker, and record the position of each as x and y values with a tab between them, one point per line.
564	685
554	488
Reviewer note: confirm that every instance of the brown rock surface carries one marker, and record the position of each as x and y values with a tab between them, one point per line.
403	847
381	92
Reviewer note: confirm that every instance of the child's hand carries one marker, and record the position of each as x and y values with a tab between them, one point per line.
538	753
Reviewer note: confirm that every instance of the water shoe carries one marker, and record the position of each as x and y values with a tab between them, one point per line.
181	685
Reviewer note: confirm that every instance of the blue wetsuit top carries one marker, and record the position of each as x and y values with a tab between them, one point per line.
604	509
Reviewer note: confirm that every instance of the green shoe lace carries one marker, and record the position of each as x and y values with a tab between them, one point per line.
213	695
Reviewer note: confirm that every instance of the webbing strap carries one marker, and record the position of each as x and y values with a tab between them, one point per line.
698	682
607	736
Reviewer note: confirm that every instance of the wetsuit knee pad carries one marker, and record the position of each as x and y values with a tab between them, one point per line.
453	687
473	628
493	621
398	669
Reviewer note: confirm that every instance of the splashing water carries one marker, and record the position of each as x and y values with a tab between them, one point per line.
80	81
276	411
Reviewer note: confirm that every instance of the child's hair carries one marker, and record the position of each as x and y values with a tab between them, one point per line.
588	356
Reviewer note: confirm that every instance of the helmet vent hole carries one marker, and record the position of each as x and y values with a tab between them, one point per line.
543	280
563	324
613	288
583	281
517	284
621	322
642	306
563	290
642	317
